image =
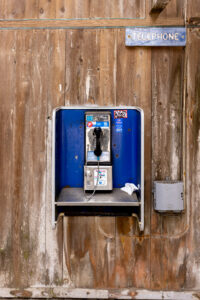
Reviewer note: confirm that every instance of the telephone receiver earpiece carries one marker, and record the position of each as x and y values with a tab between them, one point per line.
98	132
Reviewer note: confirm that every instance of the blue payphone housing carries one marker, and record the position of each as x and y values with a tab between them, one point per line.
68	157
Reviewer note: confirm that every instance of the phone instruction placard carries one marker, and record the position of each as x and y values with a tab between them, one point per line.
103	178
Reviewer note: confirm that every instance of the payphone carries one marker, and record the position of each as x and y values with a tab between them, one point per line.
96	152
98	164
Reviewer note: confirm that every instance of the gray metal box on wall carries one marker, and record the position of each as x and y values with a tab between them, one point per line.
168	196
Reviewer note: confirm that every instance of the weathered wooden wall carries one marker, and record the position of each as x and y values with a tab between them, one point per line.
46	63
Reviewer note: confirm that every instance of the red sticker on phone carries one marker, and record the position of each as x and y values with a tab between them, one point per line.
89	124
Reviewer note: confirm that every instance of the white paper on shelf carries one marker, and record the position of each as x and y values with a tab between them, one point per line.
129	188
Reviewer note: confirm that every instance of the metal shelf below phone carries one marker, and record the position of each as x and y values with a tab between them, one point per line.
76	196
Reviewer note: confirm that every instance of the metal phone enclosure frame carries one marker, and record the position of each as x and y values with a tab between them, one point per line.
56	135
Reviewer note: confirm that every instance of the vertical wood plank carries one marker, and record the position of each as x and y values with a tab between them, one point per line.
126	60
82	67
24	173
89	249
107	66
174	262
105	252
174	9
167	85
167	79
134	66
47	9
2	9
56	91
98	9
82	9
20	207
193	155
72	9
74	66
193	11
66	9
80	249
63	9
10	9
134	9
67	271
13	10
39	77
125	252
7	111
56	88
31	9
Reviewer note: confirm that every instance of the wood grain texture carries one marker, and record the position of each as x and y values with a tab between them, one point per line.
167	133
193	12
92	23
65	9
82	67
2	9
89	250
36	169
167	78
174	9
47	9
21	168
31	9
28	168
56	92
57	71
106	251
80	250
7	112
88	9
107	67
68	9
193	155
14	10
35	250
131	76
72	9
42	69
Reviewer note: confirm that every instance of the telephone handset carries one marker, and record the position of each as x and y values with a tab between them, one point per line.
98	132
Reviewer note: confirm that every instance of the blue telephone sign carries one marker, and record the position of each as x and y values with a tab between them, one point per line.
156	36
